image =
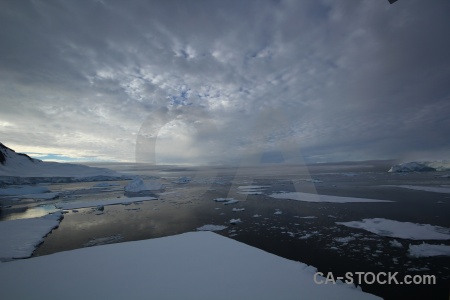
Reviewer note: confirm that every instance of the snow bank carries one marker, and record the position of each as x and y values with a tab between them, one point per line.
402	230
21	165
427	250
113	201
138	185
19	238
321	198
196	265
425	166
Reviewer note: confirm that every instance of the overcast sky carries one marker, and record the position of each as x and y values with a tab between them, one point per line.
222	81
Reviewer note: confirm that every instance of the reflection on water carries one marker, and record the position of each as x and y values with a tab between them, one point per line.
305	231
27	212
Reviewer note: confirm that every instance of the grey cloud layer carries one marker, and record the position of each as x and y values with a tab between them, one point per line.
351	80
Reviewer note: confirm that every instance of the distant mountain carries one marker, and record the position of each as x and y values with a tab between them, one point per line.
425	166
13	164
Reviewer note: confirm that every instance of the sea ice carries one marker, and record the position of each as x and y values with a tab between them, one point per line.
19	238
138	185
195	265
435	189
402	230
96	203
396	244
426	250
23	190
235	221
321	198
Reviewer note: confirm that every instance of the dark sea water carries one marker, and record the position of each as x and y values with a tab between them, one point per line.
317	240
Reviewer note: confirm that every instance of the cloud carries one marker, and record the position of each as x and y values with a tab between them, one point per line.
222	81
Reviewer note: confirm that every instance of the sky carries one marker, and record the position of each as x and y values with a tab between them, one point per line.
225	82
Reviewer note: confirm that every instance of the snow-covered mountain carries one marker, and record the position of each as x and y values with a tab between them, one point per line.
425	166
14	164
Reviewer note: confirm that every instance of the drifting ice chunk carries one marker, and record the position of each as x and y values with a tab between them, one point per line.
396	244
402	230
238	209
235	221
426	250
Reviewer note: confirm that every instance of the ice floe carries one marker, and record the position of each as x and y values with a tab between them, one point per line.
210	227
434	189
402	230
307	197
235	221
427	250
19	238
23	190
395	244
195	265
97	203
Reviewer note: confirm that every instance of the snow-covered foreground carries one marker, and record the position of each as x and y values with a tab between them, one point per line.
402	230
321	198
19	238
104	202
196	265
